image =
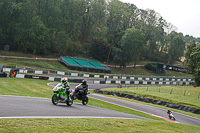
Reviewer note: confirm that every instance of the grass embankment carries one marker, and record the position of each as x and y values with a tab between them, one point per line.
92	126
21	54
142	71
55	65
173	94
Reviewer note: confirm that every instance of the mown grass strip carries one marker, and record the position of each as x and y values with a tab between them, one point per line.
92	126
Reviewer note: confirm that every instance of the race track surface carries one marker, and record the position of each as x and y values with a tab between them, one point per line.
31	107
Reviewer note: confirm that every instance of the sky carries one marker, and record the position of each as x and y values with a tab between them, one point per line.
184	14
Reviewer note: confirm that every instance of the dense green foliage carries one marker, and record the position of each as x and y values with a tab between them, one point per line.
93	28
192	61
150	67
131	47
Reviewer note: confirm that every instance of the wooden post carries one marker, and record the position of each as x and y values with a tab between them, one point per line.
147	88
171	91
184	92
159	89
199	95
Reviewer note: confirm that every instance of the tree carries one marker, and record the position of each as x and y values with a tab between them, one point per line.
117	22
192	60
176	47
60	42
189	62
132	45
99	49
39	38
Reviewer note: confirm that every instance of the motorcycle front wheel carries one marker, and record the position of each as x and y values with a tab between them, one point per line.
55	99
85	100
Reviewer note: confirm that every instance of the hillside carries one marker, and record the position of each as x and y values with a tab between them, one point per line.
55	65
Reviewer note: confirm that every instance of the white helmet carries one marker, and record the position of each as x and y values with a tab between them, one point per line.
64	80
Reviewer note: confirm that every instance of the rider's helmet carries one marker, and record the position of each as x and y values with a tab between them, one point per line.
64	80
84	82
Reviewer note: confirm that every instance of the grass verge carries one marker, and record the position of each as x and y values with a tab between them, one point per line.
92	126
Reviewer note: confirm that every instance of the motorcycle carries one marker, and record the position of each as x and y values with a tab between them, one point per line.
60	95
81	93
171	116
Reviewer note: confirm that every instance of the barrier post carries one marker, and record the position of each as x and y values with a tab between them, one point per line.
171	91
184	92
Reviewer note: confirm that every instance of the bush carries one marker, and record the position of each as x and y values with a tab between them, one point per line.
150	67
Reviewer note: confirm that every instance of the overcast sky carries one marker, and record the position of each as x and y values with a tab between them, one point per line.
184	14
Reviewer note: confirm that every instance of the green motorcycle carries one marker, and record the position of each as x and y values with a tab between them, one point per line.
60	95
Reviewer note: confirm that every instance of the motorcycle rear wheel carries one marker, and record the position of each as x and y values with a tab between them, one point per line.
85	100
69	101
55	99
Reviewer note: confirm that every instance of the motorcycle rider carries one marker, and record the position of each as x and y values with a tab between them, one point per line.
169	112
85	86
82	85
66	86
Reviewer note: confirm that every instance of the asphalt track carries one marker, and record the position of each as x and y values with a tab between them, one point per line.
32	107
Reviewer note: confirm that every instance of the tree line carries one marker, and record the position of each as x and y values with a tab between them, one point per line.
106	30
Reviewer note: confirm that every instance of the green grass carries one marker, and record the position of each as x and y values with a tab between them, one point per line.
21	54
163	94
82	125
143	71
55	65
25	87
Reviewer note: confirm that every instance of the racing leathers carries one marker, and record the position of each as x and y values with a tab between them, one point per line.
66	88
